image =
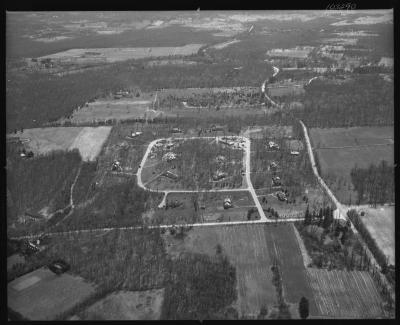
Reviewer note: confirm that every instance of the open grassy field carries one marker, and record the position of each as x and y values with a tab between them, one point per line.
380	224
122	109
111	54
210	208
345	294
87	140
290	90
43	295
340	149
126	305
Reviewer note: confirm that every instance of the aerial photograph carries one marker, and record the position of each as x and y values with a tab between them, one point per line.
200	165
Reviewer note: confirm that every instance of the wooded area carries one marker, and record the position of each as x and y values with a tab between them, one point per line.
374	184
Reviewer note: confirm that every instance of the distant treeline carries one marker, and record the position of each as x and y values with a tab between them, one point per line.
35	98
375	183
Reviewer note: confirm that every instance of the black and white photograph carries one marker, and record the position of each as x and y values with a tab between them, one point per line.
200	164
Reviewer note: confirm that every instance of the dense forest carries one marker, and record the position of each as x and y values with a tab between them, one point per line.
374	184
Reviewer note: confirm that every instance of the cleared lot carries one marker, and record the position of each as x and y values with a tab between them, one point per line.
43	295
380	224
88	140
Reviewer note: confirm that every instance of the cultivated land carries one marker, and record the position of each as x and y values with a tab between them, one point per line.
43	295
380	224
345	294
247	250
339	150
88	140
120	54
126	305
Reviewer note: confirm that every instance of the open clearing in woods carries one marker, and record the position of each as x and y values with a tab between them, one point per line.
42	295
123	109
126	305
112	54
88	140
345	294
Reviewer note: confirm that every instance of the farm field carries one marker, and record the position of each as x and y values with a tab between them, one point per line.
345	294
282	244
339	149
246	248
126	305
381	225
36	295
88	140
110	55
350	137
104	110
210	208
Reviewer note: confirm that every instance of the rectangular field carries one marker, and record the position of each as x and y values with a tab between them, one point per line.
338	150
282	244
88	140
42	295
380	224
345	294
110	55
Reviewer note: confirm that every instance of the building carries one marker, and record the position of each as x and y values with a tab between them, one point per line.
218	175
276	181
227	203
273	165
281	196
295	153
272	145
170	175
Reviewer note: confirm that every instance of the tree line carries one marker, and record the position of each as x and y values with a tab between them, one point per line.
374	184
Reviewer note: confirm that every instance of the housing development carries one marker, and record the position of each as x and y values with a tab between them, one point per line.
200	165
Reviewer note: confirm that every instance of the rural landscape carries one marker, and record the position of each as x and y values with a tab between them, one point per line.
200	165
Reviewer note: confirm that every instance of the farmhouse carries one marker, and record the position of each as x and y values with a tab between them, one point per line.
281	196
116	166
